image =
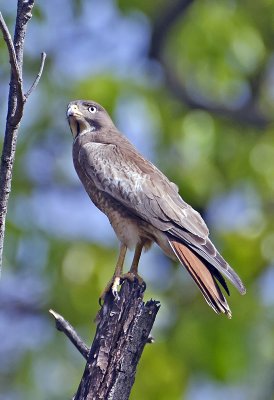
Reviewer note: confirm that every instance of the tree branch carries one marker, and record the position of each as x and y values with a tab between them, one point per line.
64	326
16	102
123	329
38	77
13	60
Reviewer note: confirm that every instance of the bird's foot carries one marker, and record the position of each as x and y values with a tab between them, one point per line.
131	276
112	287
115	282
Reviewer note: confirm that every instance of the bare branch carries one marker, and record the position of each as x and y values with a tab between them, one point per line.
37	79
64	326
24	14
16	102
123	329
13	60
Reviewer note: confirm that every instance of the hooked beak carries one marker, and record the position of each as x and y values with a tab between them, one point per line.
73	111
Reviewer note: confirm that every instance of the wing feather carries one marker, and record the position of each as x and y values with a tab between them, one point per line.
140	186
124	174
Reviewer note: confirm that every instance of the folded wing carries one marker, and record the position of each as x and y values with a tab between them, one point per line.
134	182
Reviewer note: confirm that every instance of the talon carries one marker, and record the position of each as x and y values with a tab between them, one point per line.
101	299
114	287
131	276
144	286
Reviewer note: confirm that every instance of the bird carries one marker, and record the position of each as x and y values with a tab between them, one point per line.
143	206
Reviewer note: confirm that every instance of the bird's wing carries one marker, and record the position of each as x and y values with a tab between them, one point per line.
137	184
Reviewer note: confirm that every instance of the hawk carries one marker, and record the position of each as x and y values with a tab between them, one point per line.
142	205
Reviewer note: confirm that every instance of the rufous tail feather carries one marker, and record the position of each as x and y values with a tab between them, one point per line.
203	277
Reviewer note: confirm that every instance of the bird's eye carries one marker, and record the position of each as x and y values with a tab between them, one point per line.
92	109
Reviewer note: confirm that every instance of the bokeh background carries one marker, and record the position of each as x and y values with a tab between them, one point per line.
191	83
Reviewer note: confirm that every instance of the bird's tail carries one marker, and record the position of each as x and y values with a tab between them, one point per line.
204	277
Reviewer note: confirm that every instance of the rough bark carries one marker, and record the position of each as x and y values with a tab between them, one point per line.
123	329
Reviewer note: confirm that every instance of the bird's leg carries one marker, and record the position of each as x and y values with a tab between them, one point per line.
115	281
136	258
118	270
133	272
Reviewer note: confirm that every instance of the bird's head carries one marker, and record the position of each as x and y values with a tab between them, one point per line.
87	116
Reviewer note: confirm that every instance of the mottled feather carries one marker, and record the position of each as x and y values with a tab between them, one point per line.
120	171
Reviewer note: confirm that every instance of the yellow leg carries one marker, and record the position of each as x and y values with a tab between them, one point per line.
132	274
120	262
136	259
115	281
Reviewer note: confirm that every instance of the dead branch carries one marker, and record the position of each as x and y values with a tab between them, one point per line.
123	329
64	326
16	103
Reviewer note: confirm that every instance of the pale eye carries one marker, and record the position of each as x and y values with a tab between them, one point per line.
92	109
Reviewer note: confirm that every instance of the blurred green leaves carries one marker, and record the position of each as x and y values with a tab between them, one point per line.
208	139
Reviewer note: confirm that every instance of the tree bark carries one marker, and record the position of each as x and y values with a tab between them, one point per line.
123	329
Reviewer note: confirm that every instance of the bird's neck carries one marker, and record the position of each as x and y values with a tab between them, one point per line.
84	133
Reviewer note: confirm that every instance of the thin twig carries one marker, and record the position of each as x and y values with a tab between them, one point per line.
64	326
13	60
37	79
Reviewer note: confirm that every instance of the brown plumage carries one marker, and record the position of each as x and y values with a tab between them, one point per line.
142	205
